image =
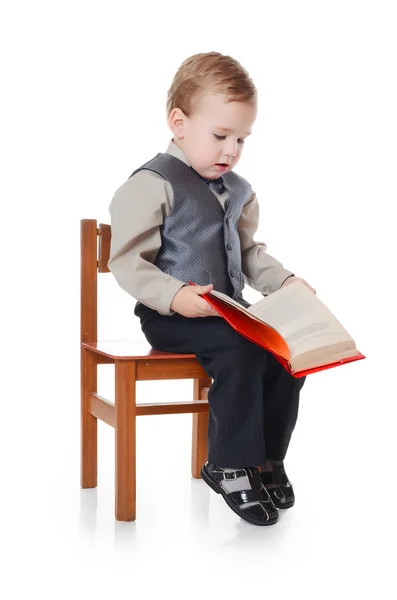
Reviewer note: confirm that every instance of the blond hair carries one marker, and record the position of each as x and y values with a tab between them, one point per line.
209	71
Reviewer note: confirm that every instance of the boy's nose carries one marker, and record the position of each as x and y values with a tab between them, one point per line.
231	148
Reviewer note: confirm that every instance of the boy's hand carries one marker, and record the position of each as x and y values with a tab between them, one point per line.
187	302
293	278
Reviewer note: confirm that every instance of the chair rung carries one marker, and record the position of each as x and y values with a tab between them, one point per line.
102	409
169	408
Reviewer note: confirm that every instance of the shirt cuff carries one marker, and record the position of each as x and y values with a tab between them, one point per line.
286	279
277	282
167	295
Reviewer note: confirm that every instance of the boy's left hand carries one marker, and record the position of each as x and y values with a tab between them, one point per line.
293	278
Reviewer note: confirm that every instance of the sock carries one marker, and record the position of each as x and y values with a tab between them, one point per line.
268	466
236	485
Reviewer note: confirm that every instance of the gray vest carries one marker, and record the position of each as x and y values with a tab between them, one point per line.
200	241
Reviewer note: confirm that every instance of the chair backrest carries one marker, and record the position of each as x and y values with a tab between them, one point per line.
95	251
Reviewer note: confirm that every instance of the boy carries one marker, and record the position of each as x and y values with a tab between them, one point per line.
185	215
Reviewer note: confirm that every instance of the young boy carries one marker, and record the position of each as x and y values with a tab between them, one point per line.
185	215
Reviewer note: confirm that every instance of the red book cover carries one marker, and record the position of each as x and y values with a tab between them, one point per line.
266	336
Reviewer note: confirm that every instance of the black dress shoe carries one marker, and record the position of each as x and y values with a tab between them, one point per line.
252	502
278	485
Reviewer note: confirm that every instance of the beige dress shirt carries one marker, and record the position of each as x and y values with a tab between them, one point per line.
137	212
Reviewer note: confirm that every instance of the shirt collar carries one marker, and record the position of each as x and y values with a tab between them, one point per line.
174	150
215	184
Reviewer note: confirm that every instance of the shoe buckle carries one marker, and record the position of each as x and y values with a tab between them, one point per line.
229	475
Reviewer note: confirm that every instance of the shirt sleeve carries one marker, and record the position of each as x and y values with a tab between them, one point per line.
263	272
137	212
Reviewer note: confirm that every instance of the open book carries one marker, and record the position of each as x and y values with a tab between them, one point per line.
294	325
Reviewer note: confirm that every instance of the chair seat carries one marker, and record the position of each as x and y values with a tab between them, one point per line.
132	350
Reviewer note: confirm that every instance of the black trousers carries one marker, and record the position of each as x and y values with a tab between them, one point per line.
253	400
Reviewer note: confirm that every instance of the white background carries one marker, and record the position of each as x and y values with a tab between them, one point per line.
83	104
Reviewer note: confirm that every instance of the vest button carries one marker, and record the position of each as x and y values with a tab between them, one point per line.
232	272
229	246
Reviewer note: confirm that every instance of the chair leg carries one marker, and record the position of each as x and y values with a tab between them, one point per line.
89	423
125	434
200	428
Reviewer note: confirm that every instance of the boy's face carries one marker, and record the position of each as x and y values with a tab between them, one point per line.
214	133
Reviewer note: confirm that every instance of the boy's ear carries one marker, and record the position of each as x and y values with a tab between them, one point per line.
176	122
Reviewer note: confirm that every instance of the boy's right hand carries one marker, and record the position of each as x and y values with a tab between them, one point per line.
187	302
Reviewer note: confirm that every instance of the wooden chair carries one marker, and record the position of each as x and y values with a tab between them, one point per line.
135	361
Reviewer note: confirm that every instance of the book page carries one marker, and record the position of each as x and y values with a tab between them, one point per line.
303	362
235	304
301	318
228	299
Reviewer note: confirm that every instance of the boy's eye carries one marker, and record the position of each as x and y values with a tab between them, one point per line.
223	137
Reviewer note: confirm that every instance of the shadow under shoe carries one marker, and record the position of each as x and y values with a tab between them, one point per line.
278	485
251	502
